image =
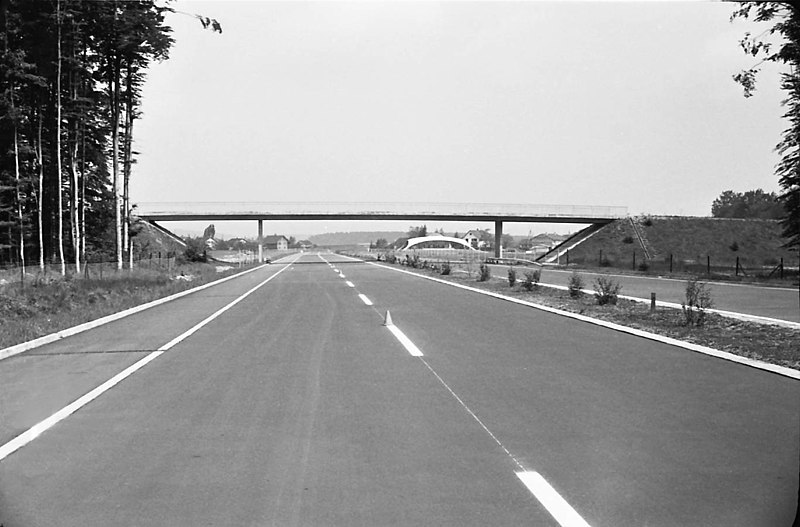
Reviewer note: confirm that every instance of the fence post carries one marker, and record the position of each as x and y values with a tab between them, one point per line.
737	266
567	257
781	267
652	302
600	259
708	265
670	263
634	260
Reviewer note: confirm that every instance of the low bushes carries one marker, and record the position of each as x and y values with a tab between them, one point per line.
606	290
575	285
484	273
531	280
698	300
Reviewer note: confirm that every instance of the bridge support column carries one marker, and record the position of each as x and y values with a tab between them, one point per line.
498	239
260	241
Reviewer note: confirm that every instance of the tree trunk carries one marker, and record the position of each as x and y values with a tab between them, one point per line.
19	199
60	200
40	194
128	160
115	111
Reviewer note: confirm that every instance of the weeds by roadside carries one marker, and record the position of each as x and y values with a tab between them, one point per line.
531	280
575	285
698	300
46	306
606	290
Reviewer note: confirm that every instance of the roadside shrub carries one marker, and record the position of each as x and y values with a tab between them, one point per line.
446	267
531	280
606	290
575	285
648	222
605	262
195	250
698	300
512	276
627	239
391	258
643	266
413	262
734	246
484	273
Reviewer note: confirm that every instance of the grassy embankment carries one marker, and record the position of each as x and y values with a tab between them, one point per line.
691	245
767	343
49	305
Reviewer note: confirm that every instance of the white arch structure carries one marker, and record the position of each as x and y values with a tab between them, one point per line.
413	242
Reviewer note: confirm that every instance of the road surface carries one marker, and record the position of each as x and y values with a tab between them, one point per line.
296	406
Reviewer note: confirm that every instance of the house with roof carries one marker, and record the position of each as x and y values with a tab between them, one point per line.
275	241
473	238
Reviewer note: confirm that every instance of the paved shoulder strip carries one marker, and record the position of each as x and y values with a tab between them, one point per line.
44	425
780	370
47	339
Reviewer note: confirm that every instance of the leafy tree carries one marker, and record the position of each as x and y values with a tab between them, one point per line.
381	243
418	232
750	204
195	250
786	23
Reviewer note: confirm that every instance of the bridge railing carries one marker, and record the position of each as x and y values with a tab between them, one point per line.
384	208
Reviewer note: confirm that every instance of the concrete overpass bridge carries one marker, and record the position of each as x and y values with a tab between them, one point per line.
291	211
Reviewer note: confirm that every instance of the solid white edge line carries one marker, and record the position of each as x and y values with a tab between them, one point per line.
774	368
405	341
36	430
47	339
364	299
557	506
349	283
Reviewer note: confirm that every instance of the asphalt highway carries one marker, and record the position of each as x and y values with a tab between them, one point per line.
281	399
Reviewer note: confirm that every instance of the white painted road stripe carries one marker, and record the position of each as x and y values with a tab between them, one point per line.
47	339
753	363
349	283
557	506
365	299
36	430
405	341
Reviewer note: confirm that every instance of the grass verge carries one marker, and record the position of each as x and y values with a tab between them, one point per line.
48	306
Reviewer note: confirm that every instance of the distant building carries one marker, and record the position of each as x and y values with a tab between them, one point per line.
473	238
305	244
276	241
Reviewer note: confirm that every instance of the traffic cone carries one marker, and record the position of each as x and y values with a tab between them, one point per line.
388	320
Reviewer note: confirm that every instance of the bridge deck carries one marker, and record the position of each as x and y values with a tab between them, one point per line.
176	211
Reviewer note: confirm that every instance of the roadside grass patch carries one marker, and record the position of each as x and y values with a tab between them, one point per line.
47	306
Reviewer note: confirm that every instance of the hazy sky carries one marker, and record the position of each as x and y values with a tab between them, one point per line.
586	103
